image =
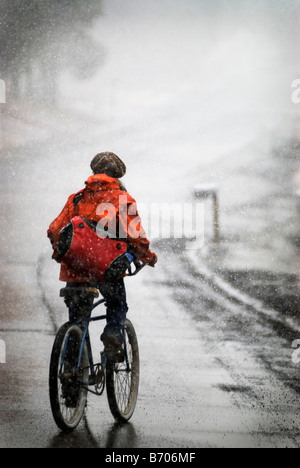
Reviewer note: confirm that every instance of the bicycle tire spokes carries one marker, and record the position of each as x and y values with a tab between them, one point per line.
73	374
67	396
123	378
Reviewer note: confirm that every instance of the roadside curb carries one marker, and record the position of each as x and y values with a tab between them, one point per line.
235	294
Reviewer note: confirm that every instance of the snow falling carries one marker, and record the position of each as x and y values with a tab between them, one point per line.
201	101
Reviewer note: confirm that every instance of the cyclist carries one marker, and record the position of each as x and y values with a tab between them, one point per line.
103	189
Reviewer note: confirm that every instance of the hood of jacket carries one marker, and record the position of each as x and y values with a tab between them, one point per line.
99	187
101	182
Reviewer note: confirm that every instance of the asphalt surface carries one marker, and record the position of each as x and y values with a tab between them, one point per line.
215	371
215	325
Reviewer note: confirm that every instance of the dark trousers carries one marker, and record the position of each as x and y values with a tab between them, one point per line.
115	300
116	305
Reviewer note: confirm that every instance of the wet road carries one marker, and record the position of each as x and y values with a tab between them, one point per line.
215	373
215	327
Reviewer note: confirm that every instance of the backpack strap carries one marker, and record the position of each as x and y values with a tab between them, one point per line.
77	198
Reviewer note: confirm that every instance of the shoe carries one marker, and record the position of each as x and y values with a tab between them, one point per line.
113	347
111	341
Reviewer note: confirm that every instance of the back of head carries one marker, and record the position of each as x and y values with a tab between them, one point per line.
109	164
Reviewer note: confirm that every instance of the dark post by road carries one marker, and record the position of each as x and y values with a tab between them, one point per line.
211	191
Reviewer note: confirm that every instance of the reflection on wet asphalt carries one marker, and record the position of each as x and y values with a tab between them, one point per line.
118	436
267	335
279	291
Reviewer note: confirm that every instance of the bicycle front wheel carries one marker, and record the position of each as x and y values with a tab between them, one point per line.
68	394
122	379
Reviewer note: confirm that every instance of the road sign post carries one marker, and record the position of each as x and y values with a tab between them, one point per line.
211	191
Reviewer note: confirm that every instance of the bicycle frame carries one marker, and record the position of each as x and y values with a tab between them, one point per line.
84	325
73	373
86	335
86	322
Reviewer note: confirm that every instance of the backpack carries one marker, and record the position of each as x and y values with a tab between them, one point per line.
100	258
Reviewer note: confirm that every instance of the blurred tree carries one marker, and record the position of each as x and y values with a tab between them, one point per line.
37	40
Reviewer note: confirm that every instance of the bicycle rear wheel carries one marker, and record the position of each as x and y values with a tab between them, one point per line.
68	396
122	379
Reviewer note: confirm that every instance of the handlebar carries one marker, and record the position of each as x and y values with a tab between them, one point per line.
138	267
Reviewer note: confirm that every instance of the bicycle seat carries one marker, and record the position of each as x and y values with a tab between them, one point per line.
67	292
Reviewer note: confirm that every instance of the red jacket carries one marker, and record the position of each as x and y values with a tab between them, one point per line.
103	201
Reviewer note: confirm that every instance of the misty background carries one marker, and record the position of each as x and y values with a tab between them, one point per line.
186	92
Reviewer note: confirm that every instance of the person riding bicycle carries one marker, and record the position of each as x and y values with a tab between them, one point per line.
103	190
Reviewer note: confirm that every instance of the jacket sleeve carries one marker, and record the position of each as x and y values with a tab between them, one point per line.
131	225
61	221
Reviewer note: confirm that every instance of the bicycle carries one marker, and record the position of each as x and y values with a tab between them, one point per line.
73	373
